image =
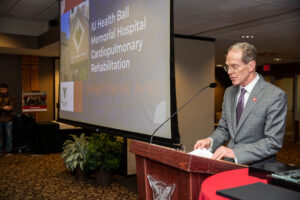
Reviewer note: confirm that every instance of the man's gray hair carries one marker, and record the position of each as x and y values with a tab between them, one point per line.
249	51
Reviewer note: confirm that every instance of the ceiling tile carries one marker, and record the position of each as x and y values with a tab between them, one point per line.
6	6
51	13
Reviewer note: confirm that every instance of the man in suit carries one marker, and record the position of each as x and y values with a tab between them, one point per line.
253	113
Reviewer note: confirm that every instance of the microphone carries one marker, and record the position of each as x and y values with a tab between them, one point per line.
212	85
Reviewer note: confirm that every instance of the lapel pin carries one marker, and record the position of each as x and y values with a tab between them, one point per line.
254	99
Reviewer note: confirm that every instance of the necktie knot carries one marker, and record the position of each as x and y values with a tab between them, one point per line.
243	91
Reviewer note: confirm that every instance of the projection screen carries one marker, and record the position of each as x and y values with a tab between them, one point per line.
116	66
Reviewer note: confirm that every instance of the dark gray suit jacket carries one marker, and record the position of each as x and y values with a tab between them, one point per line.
259	134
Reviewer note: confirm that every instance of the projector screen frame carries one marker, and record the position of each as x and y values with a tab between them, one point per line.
175	136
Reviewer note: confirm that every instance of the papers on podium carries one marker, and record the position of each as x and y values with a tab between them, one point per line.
202	153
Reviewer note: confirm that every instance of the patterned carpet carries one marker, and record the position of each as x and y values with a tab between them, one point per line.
45	177
290	152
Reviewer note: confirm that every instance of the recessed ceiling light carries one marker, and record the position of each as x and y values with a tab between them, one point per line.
247	36
277	59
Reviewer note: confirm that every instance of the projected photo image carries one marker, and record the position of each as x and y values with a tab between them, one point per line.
75	43
115	64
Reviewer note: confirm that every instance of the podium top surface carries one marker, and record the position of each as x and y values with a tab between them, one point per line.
181	160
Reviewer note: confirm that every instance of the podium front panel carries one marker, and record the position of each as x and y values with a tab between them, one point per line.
159	180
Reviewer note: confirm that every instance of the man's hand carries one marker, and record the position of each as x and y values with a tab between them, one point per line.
223	152
204	143
7	108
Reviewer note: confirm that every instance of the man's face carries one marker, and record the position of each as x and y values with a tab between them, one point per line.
3	91
239	72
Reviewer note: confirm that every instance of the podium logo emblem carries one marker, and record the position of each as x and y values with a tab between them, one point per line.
160	190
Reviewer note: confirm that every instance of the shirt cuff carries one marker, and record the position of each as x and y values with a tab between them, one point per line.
236	161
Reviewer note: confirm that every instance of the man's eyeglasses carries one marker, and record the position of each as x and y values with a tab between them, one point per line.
233	67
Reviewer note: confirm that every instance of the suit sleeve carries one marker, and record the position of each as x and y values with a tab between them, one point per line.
274	129
221	134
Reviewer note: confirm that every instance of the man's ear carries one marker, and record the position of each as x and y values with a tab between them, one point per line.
252	65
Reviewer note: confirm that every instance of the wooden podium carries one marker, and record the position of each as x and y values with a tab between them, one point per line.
164	172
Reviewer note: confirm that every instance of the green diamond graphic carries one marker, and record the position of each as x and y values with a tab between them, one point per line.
78	34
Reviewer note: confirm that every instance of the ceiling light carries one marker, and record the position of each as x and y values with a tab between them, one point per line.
219	65
247	36
277	59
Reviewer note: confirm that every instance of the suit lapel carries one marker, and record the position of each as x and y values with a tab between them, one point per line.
233	108
254	97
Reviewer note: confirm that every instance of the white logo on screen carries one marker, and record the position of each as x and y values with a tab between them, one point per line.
160	190
160	113
65	92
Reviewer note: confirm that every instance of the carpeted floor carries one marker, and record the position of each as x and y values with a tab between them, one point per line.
45	177
290	152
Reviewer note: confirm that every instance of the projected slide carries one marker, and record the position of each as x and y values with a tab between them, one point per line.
115	64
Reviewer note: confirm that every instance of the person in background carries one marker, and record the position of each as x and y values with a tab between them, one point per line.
7	103
253	113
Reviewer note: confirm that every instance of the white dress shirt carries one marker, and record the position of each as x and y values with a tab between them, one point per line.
248	89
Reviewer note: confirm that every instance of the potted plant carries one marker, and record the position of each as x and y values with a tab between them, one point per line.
104	154
74	154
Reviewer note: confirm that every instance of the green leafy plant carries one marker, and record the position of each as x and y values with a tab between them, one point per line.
103	151
74	152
